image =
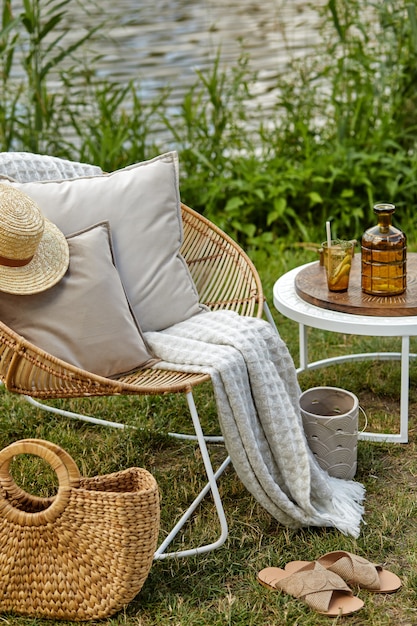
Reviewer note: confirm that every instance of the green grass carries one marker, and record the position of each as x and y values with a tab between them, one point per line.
220	587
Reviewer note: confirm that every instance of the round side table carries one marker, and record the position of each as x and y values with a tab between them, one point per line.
288	302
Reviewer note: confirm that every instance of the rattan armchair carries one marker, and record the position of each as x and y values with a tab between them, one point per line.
225	278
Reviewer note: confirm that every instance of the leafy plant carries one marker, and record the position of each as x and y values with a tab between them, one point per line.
36	41
8	102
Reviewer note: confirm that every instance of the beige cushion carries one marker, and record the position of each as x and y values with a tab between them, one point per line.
142	204
85	319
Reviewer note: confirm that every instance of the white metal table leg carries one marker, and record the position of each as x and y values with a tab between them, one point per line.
405	385
303	347
404	356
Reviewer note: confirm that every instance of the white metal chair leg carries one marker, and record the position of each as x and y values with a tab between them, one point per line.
211	486
78	416
161	551
268	316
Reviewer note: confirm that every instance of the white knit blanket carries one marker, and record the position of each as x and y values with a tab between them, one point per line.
26	167
257	395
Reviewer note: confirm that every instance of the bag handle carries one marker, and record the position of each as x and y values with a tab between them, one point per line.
64	467
16	493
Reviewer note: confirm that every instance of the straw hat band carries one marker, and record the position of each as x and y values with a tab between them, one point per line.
15	262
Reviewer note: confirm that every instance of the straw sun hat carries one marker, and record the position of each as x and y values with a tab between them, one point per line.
34	253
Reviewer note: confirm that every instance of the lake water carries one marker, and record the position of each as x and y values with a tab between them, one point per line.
162	43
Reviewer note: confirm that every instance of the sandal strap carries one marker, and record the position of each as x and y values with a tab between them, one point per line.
353	569
315	585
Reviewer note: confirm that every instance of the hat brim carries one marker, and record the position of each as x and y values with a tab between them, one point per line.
46	268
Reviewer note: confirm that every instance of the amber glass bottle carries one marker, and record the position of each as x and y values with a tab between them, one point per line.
384	251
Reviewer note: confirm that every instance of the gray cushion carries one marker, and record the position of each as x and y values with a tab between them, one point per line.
85	319
142	204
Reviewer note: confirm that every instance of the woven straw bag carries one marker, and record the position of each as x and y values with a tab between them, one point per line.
83	554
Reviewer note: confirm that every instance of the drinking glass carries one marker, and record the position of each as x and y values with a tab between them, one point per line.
338	261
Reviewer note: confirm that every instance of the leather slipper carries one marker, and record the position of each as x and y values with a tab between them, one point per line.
355	570
319	588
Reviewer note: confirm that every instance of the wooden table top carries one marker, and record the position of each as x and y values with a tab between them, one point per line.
311	286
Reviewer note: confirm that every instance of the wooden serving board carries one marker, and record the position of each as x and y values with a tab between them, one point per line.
311	286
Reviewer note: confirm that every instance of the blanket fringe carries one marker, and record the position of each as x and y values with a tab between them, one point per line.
347	503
